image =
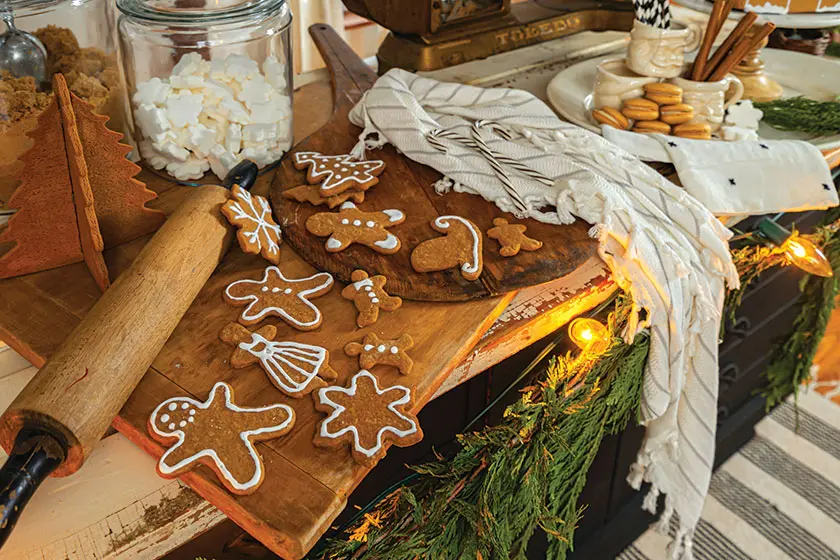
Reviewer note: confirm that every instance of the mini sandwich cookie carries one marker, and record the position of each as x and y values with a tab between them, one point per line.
367	417
369	296
257	232
276	295
295	368
337	174
350	225
374	351
219	434
460	247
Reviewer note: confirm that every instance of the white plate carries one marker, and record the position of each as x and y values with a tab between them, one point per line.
570	92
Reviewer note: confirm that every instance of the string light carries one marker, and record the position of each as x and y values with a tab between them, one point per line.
799	251
589	334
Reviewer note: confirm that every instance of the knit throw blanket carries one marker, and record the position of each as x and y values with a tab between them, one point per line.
663	247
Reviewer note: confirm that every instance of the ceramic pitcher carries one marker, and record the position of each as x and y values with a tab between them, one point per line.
710	99
659	52
615	83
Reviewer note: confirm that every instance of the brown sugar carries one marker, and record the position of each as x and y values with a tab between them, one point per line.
62	48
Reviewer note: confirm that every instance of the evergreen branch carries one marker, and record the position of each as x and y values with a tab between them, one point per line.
821	118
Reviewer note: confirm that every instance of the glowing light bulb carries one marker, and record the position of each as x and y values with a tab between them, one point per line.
805	255
589	334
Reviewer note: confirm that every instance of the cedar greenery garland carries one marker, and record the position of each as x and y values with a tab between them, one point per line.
821	118
507	480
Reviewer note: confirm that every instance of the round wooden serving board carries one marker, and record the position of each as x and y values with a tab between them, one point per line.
406	185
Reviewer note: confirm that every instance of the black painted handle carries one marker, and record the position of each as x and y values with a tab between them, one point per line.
35	456
243	174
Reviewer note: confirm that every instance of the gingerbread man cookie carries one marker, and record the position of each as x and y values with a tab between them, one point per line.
257	233
219	434
367	418
312	195
287	298
512	238
374	351
369	296
350	225
339	173
295	368
461	246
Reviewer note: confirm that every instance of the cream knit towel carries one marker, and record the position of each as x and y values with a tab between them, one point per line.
664	248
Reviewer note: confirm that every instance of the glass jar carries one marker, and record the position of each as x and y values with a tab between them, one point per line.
80	40
209	86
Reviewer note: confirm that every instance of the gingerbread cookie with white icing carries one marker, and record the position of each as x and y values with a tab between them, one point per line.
350	225
312	195
512	238
295	368
367	418
219	434
337	174
461	246
276	295
369	296
373	351
257	232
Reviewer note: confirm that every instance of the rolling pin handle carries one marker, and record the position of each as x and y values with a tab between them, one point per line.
36	454
243	174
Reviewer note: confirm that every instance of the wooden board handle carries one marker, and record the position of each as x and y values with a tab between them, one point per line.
79	391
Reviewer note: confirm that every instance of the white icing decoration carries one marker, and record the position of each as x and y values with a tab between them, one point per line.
185	406
171	426
345	221
370	223
365	284
374	300
333	243
323	397
357	223
275	290
264	289
281	360
368	347
192	412
287	291
443	223
394	349
191	419
166	468
182	423
394	215
258	216
164	418
248	315
347	204
343	162
390	242
380	348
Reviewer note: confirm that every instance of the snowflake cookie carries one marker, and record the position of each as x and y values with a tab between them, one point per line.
460	247
369	296
367	418
337	174
257	231
350	225
295	368
276	295
219	434
512	238
374	351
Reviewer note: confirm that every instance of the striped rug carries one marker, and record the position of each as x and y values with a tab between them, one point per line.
777	498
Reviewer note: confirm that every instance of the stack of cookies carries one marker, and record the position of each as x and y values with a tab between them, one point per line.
661	111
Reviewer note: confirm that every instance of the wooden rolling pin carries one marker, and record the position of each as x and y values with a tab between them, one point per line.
54	423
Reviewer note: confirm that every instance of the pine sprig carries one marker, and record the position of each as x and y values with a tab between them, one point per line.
508	480
800	114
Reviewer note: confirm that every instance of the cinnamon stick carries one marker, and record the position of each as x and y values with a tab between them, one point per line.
708	39
740	30
746	44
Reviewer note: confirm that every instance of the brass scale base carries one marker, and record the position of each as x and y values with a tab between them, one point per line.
526	24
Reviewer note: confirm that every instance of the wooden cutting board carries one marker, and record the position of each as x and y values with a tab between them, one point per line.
407	186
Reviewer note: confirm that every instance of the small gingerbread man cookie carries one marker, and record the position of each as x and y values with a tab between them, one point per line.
257	232
460	247
512	238
295	368
350	225
287	298
219	434
369	296
312	195
339	173
366	417
374	351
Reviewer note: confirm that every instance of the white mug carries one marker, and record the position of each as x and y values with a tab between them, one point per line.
660	52
710	99
615	83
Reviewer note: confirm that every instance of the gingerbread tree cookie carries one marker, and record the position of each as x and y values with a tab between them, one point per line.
460	247
350	225
512	238
374	351
366	417
293	367
276	295
219	434
337	174
312	195
369	296
257	232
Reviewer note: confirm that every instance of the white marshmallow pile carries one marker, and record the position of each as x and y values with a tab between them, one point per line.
212	115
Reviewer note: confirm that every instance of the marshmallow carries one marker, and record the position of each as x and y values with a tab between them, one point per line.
190	63
737	133
201	140
183	110
240	67
193	168
153	92
744	115
256	134
233	138
151	120
275	73
254	90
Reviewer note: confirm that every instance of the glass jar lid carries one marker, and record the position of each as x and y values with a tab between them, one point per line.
199	12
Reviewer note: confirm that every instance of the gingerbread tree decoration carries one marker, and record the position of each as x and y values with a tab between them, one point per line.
77	193
337	174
